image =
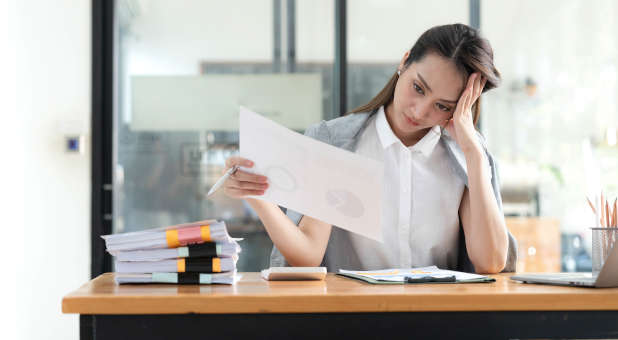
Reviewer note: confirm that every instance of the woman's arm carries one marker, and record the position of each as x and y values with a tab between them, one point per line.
303	245
483	223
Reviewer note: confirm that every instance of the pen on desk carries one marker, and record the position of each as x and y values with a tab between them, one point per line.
429	279
222	180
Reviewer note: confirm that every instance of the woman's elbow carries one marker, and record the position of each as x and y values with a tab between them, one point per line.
489	269
495	265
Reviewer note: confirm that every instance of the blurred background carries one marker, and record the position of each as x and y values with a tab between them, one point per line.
119	116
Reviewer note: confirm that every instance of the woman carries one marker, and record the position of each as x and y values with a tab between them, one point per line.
442	203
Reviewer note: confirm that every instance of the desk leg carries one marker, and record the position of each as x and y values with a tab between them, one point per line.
86	327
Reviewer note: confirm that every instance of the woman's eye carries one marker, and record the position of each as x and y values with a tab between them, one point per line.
418	89
443	108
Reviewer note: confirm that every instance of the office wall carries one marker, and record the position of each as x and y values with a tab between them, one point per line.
569	49
45	196
52	252
12	159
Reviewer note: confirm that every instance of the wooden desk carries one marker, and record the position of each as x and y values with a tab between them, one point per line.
342	308
538	240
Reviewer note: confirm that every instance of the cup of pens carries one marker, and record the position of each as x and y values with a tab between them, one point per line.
603	240
605	232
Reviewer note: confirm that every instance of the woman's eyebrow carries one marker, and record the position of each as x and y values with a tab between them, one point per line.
429	89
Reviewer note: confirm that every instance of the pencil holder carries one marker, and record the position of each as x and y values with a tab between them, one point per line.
603	240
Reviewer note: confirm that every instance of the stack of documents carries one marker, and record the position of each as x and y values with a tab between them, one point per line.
198	253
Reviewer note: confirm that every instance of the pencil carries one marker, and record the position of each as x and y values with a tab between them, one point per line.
610	212
597	222
602	210
606	214
591	206
610	220
615	212
606	234
615	224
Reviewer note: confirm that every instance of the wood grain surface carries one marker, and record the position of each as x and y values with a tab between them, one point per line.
335	294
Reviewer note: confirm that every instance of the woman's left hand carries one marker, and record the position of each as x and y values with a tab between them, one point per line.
461	125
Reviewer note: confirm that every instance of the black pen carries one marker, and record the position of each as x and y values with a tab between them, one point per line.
429	279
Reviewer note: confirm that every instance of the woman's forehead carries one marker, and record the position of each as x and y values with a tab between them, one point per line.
441	75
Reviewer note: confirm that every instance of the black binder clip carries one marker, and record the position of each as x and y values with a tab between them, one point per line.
429	279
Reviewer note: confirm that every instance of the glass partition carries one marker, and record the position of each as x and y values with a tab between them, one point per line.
552	123
380	32
184	68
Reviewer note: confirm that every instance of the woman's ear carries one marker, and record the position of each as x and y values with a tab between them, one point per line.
403	61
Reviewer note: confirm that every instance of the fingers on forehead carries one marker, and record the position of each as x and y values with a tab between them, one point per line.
471	80
470	97
473	77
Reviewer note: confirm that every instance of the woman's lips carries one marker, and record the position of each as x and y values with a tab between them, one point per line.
410	121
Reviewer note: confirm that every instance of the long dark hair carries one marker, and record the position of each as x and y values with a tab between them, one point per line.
458	42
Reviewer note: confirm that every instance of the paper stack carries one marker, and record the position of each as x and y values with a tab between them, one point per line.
197	253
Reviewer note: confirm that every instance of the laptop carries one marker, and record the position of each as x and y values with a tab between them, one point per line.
608	276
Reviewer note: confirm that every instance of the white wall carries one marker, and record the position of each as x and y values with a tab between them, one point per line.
53	97
11	199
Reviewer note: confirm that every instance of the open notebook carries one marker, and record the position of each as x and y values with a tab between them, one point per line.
399	275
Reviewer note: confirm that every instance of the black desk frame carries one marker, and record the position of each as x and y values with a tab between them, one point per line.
454	325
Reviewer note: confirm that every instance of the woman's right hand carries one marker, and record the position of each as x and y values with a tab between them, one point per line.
242	183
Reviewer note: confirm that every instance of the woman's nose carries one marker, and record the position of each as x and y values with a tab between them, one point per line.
422	110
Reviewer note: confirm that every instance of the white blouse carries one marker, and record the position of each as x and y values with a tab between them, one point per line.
421	197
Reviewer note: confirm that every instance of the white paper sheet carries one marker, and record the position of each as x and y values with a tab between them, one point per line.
399	274
313	178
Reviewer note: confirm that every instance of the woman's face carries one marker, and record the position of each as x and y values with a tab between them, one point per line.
426	95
